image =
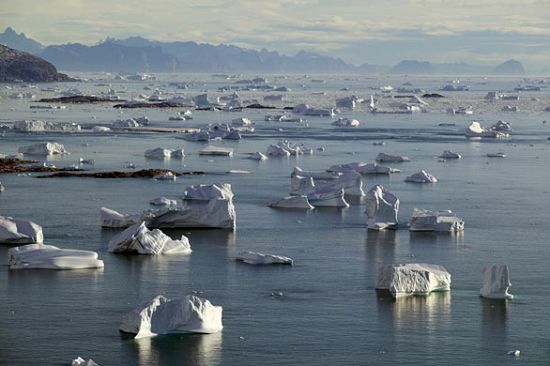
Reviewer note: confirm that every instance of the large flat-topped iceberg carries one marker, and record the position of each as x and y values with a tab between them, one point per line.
43	148
160	153
161	315
421	177
363	168
293	202
496	282
261	258
439	221
39	256
203	206
386	158
328	198
216	150
139	239
382	209
413	279
16	231
305	182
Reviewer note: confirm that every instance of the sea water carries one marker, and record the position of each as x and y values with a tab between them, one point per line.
323	309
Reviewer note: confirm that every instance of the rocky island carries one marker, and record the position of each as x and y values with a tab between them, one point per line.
18	66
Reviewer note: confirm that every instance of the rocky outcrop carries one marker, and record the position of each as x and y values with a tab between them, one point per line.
21	66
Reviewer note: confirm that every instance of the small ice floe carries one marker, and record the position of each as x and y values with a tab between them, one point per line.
165	176
515	353
282	118
502	126
496	155
79	361
286	148
241	122
438	221
161	315
475	130
40	256
421	177
101	129
496	282
257	156
176	118
261	258
293	202
382	209
16	231
378	143
2	188
44	148
139	239
363	168
160	153
509	108
216	150
346	122
413	279
86	161
385	158
448	154
238	172
129	165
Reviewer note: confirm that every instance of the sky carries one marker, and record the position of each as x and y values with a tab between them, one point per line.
358	31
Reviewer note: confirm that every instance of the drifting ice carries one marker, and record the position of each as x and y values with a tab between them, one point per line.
421	177
385	158
139	239
413	279
260	258
39	256
15	231
44	148
297	202
441	221
496	281
382	208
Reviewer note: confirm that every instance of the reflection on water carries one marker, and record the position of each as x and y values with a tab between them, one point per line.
381	246
452	238
493	325
175	349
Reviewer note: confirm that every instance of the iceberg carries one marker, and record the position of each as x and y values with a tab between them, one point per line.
385	158
257	156
43	126
44	148
241	122
475	130
215	150
294	202
79	361
166	176
448	154
502	126
496	281
16	231
163	201
413	279
328	198
382	209
139	239
260	258
363	168
346	122
348	180
192	314
421	177
160	153
40	256
439	221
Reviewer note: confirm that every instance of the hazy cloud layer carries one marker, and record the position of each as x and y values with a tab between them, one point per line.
359	31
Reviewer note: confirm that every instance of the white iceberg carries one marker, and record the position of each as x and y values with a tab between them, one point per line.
44	126
448	154
163	201
206	192
44	148
439	221
346	122
261	258
139	239
382	208
161	315
363	168
328	198
386	158
241	122
475	130
277	150
413	279
158	153
215	150
16	231
257	156
79	361
348	180
165	176
496	281
295	202
40	256
421	177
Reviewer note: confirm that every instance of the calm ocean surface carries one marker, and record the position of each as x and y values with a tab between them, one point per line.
329	311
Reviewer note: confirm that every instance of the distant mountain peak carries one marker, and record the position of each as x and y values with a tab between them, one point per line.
19	41
509	67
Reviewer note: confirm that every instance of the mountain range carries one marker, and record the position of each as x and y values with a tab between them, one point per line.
137	54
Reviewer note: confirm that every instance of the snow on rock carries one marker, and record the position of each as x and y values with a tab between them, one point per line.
439	221
382	208
161	315
296	202
139	239
16	231
40	256
496	281
260	258
385	158
413	279
43	148
421	177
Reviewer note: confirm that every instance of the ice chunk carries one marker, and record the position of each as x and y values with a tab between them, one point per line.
139	239
385	158
296	202
260	258
496	155
79	361
327	198
114	219
496	281
40	256
382	208
413	279
206	192
168	176
161	315
177	154
277	150
448	154
163	201
257	156
421	177
346	122
475	130
44	148
240	122
16	231
215	150
363	168
439	221
348	180
158	153
502	126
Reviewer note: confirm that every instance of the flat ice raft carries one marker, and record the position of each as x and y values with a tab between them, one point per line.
161	315
260	258
139	239
413	279
39	256
15	231
438	221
